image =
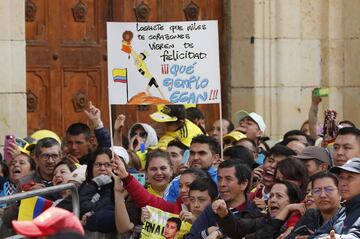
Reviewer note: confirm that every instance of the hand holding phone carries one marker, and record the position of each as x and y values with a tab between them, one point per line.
140	177
9	139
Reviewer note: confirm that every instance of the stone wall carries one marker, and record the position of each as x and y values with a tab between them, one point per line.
12	69
282	49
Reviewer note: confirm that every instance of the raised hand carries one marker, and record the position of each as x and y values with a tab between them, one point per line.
219	207
13	149
94	115
118	167
119	122
260	203
72	159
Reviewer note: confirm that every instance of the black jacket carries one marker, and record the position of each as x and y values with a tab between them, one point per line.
208	218
312	219
104	141
259	228
346	222
86	193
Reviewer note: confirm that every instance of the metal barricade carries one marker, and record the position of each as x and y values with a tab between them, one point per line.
47	190
43	191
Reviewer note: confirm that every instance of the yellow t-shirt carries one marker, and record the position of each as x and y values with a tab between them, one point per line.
185	135
153	192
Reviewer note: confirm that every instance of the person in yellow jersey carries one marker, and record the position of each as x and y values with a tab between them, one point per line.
176	124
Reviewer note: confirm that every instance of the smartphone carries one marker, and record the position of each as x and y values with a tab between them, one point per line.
140	177
321	92
8	139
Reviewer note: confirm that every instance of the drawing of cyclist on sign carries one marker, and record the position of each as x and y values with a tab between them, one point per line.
139	62
142	68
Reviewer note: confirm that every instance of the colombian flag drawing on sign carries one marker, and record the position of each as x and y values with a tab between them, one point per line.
119	75
32	207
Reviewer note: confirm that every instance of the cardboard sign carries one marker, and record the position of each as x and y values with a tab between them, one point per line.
163	225
163	62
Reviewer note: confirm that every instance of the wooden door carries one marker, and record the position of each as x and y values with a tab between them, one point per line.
66	61
66	54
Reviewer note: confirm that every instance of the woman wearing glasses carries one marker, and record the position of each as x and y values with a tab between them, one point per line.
327	201
97	190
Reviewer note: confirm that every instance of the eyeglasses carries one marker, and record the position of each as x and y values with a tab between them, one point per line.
98	165
327	190
48	156
142	134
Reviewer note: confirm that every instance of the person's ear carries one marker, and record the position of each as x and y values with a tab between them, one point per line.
244	185
216	157
324	167
259	133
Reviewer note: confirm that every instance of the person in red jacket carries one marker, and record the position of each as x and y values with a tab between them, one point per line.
142	197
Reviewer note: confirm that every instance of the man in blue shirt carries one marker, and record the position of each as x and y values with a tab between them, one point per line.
204	151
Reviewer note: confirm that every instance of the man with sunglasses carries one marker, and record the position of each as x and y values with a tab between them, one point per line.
345	223
141	137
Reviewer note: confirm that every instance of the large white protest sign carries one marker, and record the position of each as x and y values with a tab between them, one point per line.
167	62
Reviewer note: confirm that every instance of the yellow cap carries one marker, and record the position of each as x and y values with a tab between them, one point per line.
234	136
44	133
163	114
41	134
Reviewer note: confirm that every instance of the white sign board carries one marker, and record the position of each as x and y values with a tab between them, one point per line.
174	62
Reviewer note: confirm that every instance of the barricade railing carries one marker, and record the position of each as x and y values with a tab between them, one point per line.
43	191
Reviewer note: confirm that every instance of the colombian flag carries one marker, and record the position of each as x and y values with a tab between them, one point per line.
119	75
32	207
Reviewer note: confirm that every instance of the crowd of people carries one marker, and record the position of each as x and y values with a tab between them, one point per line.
223	183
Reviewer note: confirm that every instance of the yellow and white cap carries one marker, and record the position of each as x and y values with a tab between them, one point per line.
234	136
163	115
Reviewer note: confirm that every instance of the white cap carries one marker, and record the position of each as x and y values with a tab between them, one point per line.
254	116
121	152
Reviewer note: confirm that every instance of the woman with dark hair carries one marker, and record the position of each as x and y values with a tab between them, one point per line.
142	197
284	199
158	173
96	191
62	171
293	170
20	166
97	196
327	201
62	174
